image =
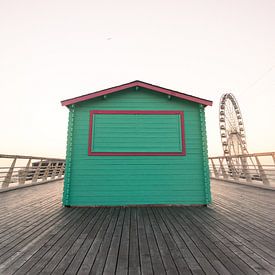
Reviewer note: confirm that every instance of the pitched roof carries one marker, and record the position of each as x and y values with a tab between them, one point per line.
136	83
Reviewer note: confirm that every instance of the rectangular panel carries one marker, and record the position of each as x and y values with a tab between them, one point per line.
136	133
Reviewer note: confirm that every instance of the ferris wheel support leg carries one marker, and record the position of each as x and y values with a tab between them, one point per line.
262	172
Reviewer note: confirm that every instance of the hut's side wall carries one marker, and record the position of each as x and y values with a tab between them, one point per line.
134	180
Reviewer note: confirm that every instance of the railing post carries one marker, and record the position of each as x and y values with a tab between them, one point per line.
8	177
245	169
232	168
273	156
46	171
61	170
214	169
24	173
224	174
54	172
262	172
37	171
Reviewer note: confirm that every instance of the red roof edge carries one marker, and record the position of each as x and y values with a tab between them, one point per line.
134	84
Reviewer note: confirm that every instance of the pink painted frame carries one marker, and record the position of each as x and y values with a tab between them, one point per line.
92	113
136	83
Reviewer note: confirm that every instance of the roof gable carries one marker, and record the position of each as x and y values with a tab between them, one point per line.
136	83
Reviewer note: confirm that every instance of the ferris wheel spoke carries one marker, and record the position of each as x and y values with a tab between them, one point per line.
232	128
229	121
229	113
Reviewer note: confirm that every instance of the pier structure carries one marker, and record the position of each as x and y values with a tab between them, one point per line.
233	235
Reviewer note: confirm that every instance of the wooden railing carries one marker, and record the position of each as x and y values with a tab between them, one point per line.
20	171
255	169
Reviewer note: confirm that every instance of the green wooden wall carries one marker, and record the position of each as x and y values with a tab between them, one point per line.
134	180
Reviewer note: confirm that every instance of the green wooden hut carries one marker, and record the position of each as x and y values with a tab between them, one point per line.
136	144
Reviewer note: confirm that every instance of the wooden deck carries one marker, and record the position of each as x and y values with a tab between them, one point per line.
235	235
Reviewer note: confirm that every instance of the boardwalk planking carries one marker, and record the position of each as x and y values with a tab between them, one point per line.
235	235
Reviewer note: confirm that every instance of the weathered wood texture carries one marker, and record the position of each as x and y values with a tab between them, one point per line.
234	235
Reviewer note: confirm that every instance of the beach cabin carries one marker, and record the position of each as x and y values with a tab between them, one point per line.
136	144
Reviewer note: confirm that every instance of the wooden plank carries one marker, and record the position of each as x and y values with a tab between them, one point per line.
248	247
75	248
134	251
157	264
235	234
209	246
170	267
123	253
96	236
101	256
24	239
185	252
218	240
146	266
112	257
92	222
14	231
261	211
171	246
11	225
53	245
253	224
246	229
200	257
40	246
260	215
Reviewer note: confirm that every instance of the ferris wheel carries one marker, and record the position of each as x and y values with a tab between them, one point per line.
232	129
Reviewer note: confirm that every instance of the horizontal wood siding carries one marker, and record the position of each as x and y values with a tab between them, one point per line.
136	133
133	180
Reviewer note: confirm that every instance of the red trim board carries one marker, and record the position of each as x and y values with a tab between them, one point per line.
114	112
136	83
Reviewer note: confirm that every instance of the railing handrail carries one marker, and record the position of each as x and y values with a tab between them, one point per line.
28	157
265	154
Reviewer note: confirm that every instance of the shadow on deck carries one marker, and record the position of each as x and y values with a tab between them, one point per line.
235	235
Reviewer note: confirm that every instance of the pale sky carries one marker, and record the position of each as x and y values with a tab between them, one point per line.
54	50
